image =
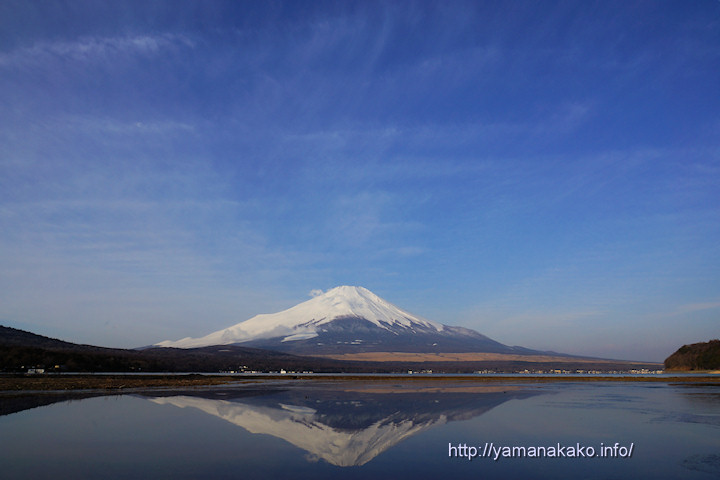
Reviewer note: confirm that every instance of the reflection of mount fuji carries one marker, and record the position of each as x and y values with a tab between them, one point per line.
345	428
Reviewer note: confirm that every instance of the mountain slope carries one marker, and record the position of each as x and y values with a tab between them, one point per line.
348	319
12	337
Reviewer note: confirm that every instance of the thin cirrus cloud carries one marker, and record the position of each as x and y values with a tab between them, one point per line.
91	50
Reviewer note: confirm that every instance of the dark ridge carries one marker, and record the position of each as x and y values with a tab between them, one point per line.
21	350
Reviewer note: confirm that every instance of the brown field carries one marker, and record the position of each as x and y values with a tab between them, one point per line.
464	357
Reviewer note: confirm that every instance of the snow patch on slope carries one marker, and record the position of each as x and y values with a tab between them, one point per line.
301	321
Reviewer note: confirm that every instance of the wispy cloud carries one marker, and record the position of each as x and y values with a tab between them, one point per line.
688	309
106	125
93	49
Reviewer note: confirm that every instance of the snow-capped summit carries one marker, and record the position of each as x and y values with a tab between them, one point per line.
301	321
344	319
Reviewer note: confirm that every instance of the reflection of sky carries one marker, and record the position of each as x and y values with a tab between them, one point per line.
666	429
130	437
545	173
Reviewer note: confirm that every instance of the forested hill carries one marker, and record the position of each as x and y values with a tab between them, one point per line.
698	356
14	337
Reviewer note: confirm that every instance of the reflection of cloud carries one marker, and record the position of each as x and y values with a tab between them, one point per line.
351	427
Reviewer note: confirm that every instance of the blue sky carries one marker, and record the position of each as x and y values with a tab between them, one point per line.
547	173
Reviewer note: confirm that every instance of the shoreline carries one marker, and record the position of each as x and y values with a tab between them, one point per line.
27	384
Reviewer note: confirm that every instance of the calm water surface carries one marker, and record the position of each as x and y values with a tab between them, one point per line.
366	430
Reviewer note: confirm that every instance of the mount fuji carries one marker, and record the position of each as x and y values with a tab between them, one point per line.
345	320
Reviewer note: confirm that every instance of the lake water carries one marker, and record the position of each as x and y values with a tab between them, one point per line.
371	430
